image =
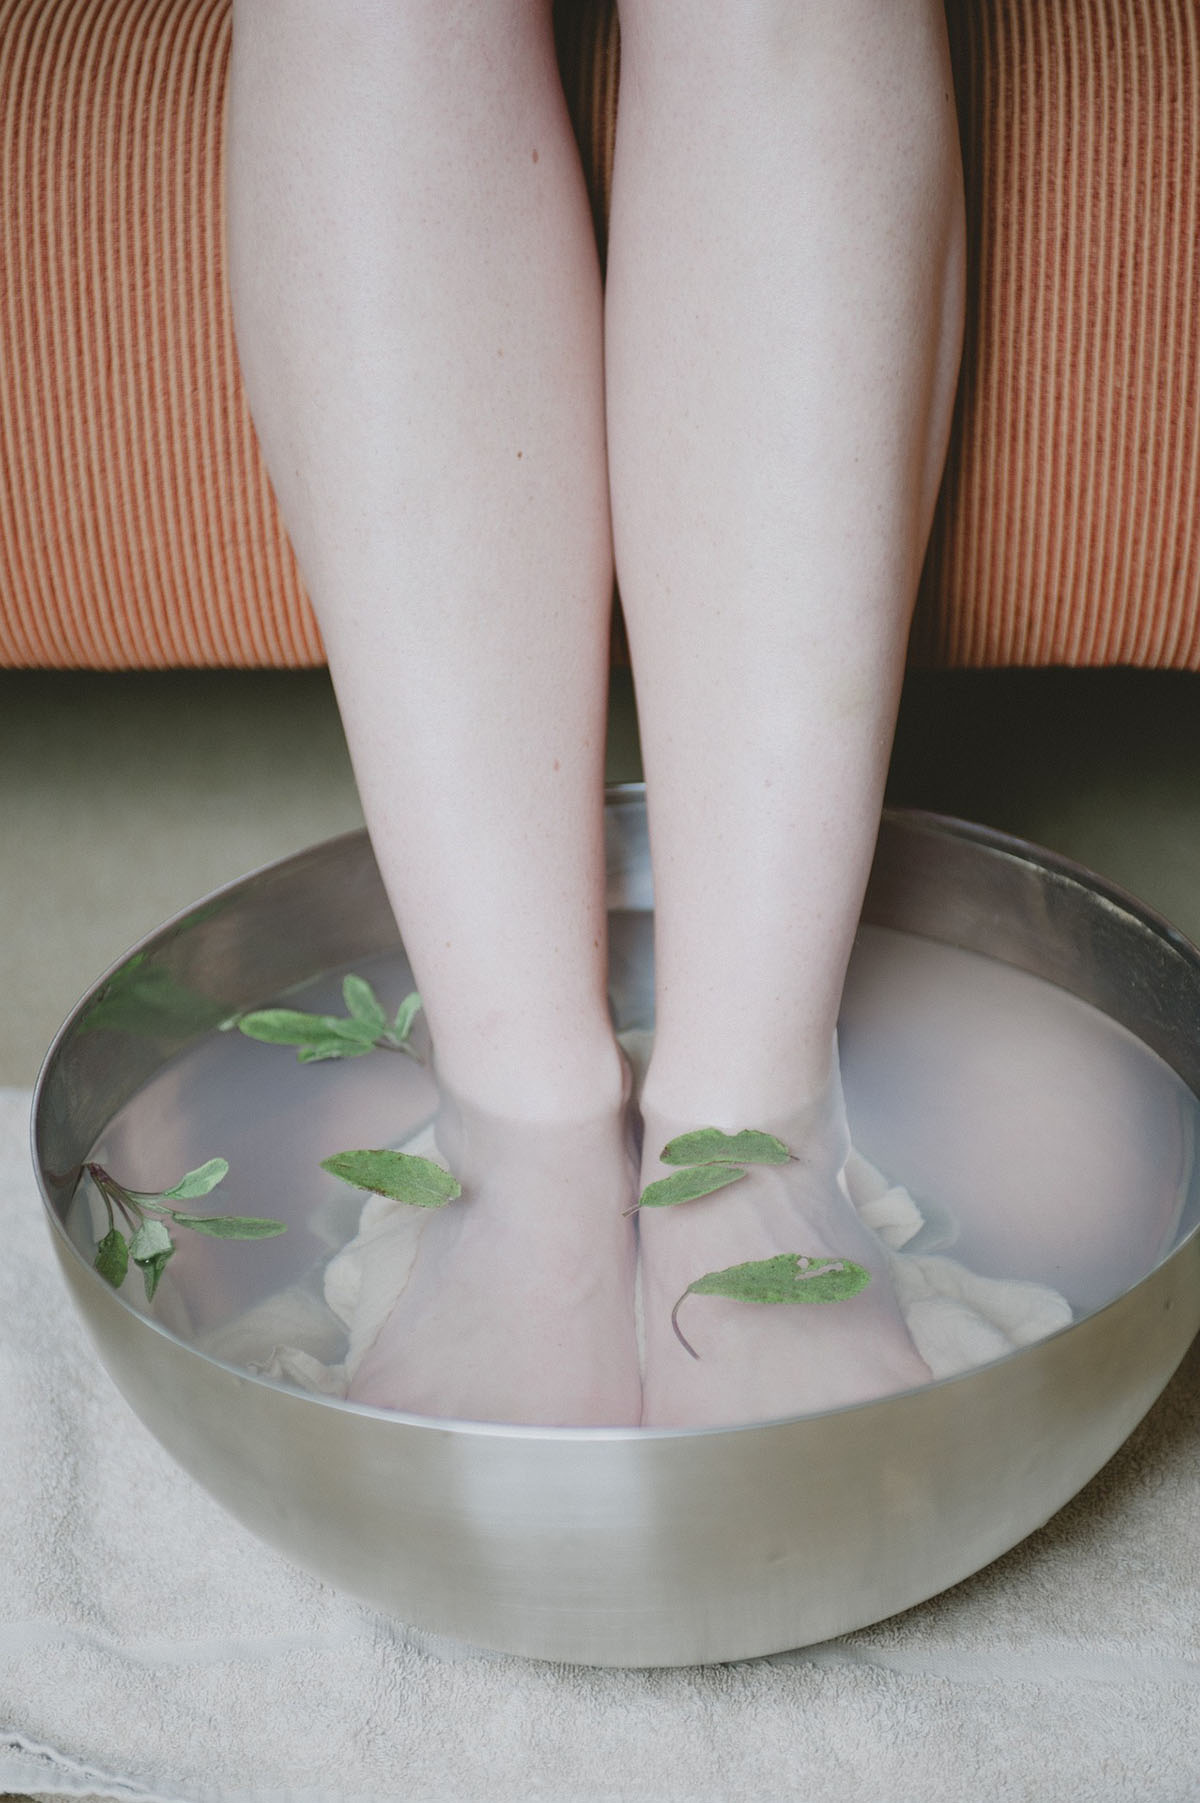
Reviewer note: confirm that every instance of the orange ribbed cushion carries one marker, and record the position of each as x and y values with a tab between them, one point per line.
137	527
1069	524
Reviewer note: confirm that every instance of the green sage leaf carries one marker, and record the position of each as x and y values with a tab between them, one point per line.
708	1143
689	1185
112	1257
152	1270
232	1227
150	1248
333	1046
361	1032
363	1004
401	1175
788	1277
198	1182
151	1241
144	998
284	1026
406	1014
318	1037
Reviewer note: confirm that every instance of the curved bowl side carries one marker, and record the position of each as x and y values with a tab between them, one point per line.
627	1547
661	1548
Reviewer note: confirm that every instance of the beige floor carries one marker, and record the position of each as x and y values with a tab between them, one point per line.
124	798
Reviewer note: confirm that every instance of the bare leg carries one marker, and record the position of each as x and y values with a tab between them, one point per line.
419	320
784	319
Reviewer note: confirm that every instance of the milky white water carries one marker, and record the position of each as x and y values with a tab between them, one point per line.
1049	1140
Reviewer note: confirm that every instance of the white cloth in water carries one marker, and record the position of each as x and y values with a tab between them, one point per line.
957	1318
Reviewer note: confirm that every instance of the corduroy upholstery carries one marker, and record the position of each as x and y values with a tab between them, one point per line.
137	526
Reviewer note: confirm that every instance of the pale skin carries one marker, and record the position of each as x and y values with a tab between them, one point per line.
460	426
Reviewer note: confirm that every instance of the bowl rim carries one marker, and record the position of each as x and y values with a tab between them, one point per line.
928	821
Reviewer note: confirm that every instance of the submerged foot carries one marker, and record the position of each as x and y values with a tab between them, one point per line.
519	1304
762	1361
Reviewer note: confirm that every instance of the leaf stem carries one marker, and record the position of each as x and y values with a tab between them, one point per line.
134	1205
114	1192
678	1331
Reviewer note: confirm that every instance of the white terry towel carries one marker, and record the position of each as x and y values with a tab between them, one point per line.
957	1319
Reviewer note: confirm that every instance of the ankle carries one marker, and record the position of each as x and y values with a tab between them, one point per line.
805	1110
740	1092
550	1086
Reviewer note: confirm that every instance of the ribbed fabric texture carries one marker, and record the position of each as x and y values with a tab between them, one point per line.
1069	525
588	40
137	526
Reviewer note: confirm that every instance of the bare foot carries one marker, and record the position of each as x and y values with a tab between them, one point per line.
519	1305
762	1361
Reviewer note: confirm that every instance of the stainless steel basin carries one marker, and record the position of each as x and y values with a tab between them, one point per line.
639	1547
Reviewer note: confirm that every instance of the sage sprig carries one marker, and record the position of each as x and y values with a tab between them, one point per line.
787	1277
401	1176
364	1027
146	1239
710	1160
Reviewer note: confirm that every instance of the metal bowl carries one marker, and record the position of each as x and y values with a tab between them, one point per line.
631	1546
